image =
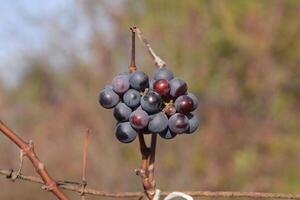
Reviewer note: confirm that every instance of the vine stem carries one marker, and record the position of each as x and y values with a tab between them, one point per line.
157	60
75	187
132	66
28	150
86	141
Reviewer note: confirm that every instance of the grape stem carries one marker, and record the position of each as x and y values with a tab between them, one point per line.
157	60
146	172
132	66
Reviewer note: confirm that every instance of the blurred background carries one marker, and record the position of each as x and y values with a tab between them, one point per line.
241	58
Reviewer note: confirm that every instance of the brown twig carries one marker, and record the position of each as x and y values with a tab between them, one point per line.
28	151
157	60
75	187
143	171
84	166
152	160
132	66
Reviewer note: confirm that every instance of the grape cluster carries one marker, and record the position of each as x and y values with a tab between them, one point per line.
161	105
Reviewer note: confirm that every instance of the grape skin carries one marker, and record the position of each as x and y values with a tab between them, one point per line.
125	133
122	112
163	73
158	122
167	134
151	102
178	87
195	100
139	119
193	123
120	84
184	104
132	98
170	110
108	98
161	86
178	123
139	81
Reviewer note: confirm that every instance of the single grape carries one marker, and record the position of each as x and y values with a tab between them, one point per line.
177	87
122	112
139	80
184	104
193	123
161	86
162	73
139	119
195	100
151	102
108	98
132	98
158	122
151	82
170	110
167	134
178	123
120	84
125	133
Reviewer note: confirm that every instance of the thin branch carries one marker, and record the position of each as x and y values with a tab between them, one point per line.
152	159
84	159
75	187
157	60
28	150
143	171
132	66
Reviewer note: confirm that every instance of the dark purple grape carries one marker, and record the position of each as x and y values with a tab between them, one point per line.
151	102
178	87
122	112
108	98
132	98
158	122
193	123
139	81
184	104
120	84
162	73
167	134
195	100
178	123
139	119
125	133
161	86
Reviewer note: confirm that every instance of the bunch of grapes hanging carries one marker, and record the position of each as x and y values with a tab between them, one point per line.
161	105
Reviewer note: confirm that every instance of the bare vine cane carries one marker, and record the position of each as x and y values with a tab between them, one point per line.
84	164
28	150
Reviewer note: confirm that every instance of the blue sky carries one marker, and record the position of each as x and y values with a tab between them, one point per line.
27	29
19	31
